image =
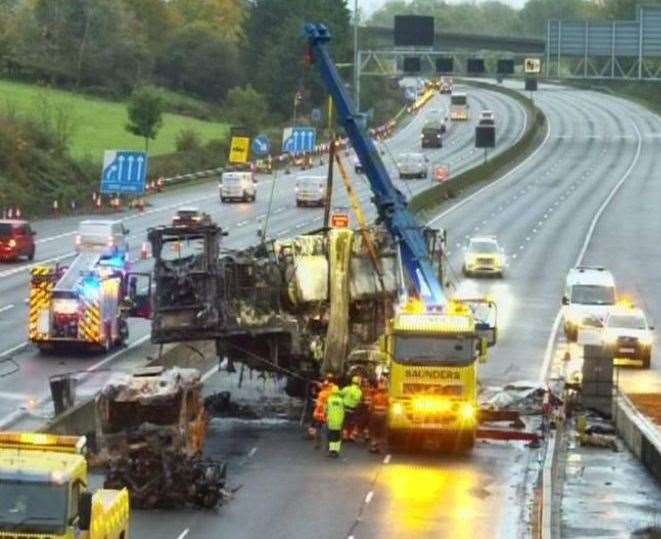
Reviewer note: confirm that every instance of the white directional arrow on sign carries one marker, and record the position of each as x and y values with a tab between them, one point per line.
121	164
140	160
130	160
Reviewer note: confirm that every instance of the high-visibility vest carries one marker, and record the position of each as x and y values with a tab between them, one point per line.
335	412
322	400
352	396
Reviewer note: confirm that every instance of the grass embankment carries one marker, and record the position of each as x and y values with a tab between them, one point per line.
426	202
95	125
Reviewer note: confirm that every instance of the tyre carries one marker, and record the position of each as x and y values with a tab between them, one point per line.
646	359
253	197
31	255
465	271
298	203
245	197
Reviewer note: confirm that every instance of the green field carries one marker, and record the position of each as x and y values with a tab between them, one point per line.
98	125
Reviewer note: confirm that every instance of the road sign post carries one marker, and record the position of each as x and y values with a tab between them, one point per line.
124	172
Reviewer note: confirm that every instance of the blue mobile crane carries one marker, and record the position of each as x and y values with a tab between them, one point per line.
391	204
431	347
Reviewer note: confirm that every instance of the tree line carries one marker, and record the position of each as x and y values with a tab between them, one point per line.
203	48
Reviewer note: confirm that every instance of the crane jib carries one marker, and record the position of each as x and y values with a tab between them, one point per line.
390	202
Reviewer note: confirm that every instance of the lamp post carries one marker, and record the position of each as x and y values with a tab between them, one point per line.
356	88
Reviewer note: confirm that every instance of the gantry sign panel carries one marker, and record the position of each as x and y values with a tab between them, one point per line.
617	49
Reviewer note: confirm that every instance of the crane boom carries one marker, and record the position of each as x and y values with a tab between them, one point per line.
391	204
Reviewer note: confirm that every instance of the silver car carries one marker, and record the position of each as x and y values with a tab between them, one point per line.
413	165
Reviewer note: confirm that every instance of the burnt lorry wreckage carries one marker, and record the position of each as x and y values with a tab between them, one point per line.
290	306
151	427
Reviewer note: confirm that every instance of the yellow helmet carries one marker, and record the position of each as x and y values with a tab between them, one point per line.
356	380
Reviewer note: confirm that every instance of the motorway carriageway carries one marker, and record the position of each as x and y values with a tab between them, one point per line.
24	379
586	195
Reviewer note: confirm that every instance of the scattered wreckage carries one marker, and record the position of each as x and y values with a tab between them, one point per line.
151	427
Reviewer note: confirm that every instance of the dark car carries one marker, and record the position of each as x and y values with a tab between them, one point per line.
16	240
431	134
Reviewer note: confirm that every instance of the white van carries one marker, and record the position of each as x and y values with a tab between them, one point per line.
310	191
102	236
237	186
588	298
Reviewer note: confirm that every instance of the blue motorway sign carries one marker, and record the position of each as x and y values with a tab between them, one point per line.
299	139
261	146
124	172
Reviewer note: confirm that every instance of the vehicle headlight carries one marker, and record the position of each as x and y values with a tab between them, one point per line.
467	411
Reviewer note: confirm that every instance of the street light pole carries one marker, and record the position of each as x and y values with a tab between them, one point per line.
356	87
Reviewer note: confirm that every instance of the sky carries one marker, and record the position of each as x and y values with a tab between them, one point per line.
373	5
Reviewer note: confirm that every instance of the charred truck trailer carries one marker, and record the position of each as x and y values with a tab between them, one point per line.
293	305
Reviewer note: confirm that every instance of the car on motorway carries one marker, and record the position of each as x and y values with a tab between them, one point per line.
189	216
438	116
483	256
628	334
412	165
238	186
310	191
102	236
588	297
431	135
487	117
16	239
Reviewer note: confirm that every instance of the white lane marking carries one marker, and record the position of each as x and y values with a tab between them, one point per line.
369	496
26	267
387	458
252	452
7	308
586	243
183	533
495	182
21	397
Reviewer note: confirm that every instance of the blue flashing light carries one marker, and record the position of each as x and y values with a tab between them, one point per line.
90	288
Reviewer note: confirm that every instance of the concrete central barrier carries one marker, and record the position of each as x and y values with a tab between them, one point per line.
639	433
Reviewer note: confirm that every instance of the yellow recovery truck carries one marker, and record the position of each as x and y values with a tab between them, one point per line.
44	491
433	362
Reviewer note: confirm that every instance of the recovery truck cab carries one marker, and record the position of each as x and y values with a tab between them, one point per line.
433	364
44	491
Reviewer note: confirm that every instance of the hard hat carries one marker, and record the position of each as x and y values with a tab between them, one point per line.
356	380
329	377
